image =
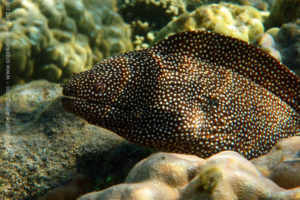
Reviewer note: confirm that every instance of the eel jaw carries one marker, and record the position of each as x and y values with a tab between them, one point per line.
92	111
73	104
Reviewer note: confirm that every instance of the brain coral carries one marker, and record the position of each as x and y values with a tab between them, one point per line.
169	176
52	39
242	22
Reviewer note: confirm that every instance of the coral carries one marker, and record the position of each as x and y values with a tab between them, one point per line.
243	22
283	11
259	4
148	16
156	13
52	39
169	176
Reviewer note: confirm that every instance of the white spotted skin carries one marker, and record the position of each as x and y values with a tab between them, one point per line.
195	92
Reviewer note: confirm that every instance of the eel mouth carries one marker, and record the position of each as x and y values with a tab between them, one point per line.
73	101
79	105
70	95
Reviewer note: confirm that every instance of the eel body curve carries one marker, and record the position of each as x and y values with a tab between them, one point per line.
195	92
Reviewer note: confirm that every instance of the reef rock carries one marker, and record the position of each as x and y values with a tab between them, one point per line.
169	176
52	39
42	147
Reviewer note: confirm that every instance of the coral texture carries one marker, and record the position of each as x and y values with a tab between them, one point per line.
53	39
169	176
259	4
242	22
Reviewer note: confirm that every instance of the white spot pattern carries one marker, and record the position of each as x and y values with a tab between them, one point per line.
195	93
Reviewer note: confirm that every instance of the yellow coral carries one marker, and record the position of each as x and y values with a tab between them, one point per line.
242	22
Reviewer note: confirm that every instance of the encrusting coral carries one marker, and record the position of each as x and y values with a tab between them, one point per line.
169	176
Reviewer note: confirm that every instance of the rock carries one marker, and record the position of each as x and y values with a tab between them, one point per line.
43	147
169	176
242	22
60	36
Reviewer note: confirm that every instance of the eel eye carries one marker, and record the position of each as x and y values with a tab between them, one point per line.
99	87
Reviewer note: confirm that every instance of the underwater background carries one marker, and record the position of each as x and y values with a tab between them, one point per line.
47	153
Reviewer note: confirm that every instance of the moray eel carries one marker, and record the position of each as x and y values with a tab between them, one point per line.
194	92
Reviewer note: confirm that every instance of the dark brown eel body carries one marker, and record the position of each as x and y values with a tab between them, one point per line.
195	93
